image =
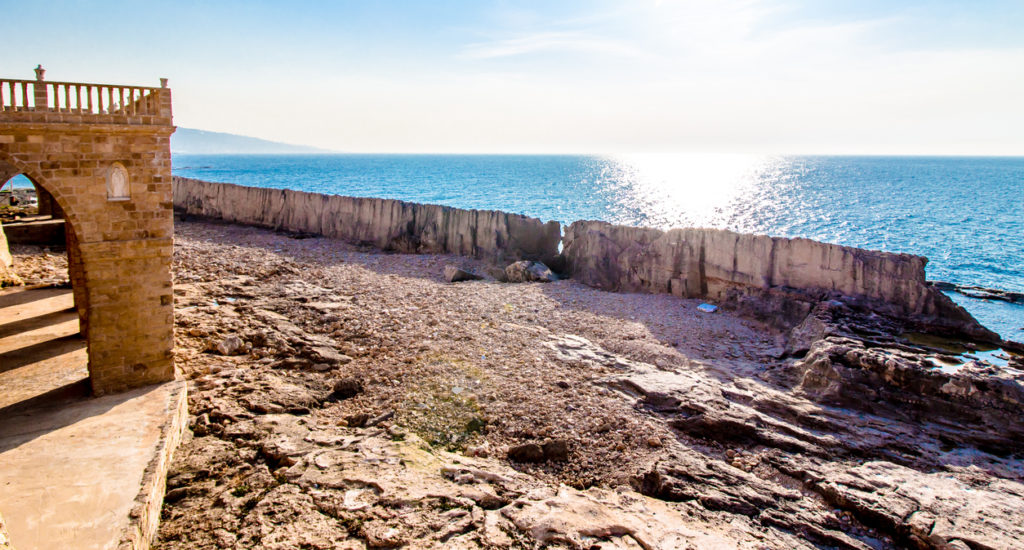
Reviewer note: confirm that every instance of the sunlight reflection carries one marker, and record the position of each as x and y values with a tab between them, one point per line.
687	189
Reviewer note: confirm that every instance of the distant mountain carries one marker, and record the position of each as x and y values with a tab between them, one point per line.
189	141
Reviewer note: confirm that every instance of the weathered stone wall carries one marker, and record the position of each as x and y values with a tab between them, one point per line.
729	267
46	205
383	223
40	232
776	277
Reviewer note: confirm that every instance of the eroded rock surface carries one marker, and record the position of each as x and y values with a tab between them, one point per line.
657	426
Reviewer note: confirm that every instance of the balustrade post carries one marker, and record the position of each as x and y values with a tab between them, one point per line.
163	99
42	100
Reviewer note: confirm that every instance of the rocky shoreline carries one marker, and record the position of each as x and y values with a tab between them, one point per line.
774	278
344	397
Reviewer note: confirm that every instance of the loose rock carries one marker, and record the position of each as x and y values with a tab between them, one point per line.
527	272
454	274
346	388
529	452
232	345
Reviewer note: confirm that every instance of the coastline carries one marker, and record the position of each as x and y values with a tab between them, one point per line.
747	271
345	395
952	210
378	404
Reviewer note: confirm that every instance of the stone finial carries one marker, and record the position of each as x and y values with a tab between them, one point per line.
40	71
163	82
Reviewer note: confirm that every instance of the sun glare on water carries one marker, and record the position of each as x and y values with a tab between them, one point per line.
687	189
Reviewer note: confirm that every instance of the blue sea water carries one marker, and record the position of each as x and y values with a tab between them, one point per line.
966	214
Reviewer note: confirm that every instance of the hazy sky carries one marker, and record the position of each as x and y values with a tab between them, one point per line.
589	76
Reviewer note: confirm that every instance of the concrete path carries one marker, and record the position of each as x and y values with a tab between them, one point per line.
75	471
41	349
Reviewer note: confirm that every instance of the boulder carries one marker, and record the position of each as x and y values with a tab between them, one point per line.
497	272
454	274
527	272
347	387
529	452
550	450
556	449
232	345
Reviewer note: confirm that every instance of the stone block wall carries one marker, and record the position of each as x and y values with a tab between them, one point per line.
728	267
44	232
47	206
773	276
383	223
119	250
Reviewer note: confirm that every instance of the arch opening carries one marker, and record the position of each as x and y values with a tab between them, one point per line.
46	343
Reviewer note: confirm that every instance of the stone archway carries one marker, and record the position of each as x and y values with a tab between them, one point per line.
75	268
109	171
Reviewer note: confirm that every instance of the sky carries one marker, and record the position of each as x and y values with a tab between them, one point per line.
598	76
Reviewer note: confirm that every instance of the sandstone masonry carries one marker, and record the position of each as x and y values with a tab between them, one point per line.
103	153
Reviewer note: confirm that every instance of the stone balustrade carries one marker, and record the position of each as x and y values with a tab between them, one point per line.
79	102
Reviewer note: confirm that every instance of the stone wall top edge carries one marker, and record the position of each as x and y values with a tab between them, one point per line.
581	224
397	201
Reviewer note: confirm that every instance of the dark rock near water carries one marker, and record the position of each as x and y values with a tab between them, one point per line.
981	292
528	272
454	274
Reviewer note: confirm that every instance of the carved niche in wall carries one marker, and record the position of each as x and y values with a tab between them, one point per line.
118	188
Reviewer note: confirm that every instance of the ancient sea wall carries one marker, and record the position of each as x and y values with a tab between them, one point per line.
383	223
775	277
766	274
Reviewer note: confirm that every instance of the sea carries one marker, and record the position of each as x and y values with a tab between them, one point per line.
965	214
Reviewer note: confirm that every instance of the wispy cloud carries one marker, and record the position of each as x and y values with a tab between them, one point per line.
549	42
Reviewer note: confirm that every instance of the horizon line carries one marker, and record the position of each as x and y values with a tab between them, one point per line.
601	154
